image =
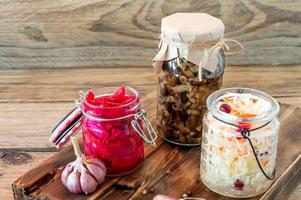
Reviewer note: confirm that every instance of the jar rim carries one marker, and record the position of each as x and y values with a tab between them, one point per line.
135	92
135	102
267	116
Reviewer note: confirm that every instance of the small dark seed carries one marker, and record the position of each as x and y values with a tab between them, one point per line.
152	190
168	172
189	193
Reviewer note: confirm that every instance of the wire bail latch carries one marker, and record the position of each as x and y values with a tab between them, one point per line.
151	135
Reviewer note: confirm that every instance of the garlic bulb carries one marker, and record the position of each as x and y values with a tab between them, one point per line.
84	174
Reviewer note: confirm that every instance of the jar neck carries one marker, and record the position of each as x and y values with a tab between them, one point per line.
128	115
267	116
110	111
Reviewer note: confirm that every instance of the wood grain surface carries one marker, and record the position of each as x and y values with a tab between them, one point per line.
49	50
76	34
175	174
31	98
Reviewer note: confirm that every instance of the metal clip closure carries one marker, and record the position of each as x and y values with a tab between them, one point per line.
151	135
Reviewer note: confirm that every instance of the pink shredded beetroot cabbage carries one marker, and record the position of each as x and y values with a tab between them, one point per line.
117	105
115	141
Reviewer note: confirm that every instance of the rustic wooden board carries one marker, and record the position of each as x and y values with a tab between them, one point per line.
43	181
29	93
79	34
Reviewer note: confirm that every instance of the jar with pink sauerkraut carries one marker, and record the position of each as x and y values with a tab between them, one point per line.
112	128
239	147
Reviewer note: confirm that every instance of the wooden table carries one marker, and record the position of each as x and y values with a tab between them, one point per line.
49	50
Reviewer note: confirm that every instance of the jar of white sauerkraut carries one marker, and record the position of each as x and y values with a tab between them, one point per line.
239	147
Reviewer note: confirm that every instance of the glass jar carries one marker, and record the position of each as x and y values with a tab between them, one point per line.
190	66
239	147
111	133
182	99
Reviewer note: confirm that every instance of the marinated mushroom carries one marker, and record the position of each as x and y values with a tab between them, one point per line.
182	100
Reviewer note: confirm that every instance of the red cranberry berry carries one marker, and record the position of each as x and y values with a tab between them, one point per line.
238	184
242	125
225	108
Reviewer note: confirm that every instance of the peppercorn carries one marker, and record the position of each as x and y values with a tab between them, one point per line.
144	192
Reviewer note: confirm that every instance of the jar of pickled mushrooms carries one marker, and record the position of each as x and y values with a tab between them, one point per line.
190	66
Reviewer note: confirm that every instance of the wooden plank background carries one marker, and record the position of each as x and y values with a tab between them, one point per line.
49	50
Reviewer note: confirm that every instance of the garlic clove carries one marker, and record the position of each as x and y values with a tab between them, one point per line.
84	174
87	182
67	170
73	182
97	162
97	172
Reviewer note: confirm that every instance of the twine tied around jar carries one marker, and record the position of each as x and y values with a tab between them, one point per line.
149	137
203	54
222	42
246	135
